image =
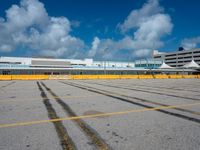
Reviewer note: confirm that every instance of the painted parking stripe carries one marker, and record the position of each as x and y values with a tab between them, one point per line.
96	115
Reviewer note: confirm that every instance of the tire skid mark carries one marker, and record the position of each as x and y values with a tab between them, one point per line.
161	87
88	131
65	141
158	88
151	102
172	88
152	92
121	98
7	85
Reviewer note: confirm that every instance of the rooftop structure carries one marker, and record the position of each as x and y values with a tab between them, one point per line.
165	66
192	64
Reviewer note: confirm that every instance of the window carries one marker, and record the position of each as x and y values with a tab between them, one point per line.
6	72
170	55
157	56
170	58
185	53
196	52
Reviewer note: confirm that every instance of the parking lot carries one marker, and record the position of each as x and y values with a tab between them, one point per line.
153	114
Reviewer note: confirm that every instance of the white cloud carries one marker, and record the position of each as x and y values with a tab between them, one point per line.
136	17
108	48
190	43
141	53
5	48
29	13
94	48
75	23
149	33
147	25
29	25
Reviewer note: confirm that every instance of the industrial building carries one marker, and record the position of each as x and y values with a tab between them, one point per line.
178	58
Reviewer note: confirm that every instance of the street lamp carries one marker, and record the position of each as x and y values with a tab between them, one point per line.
104	59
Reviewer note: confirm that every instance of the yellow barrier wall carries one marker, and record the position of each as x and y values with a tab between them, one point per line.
158	76
5	77
59	77
161	76
128	76
190	76
29	77
79	77
145	76
175	76
84	77
109	77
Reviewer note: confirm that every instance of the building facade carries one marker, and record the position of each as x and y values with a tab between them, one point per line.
178	58
49	66
148	63
60	63
24	65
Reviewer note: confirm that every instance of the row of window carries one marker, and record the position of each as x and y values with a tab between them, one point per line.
179	54
189	57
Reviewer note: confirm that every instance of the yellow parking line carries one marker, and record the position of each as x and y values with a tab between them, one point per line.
95	115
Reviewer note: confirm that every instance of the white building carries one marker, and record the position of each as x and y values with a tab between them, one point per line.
49	62
178	58
24	65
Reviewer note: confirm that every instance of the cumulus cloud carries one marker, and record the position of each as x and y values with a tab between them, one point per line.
147	26
190	43
108	48
137	17
29	25
94	48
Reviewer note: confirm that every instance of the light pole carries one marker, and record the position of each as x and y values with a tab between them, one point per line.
105	59
104	67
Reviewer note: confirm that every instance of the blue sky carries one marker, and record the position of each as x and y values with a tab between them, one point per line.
99	29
